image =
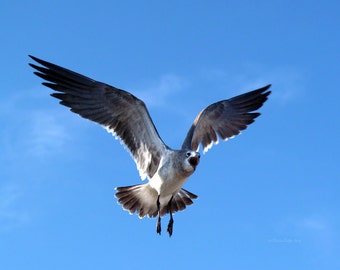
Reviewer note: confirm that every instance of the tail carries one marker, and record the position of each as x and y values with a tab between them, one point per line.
142	199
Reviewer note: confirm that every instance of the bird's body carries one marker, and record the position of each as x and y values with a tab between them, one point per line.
127	118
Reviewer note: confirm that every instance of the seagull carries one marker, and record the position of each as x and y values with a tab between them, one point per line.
127	118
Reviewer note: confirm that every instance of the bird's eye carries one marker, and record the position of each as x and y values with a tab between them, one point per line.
188	154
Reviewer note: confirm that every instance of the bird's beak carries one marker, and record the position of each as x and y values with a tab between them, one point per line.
194	161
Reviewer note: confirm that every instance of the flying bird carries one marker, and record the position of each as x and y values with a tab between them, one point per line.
128	119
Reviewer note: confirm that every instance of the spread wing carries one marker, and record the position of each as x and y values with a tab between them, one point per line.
225	119
118	111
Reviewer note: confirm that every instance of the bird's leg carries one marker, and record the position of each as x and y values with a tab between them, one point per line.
171	221
158	226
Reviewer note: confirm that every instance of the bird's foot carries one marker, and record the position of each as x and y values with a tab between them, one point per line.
158	226
170	226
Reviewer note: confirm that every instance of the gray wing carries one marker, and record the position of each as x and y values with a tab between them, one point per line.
225	119
117	110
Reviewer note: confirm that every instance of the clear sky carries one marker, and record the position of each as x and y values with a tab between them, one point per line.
268	199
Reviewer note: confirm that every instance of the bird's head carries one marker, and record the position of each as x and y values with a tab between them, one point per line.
193	158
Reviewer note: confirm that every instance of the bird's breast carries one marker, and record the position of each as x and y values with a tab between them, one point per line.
168	180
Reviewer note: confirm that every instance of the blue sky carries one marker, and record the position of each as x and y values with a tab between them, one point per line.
268	199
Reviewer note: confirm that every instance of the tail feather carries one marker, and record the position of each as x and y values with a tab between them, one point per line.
142	199
181	200
139	198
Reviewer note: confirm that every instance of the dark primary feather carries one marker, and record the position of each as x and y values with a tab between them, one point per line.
117	110
225	119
